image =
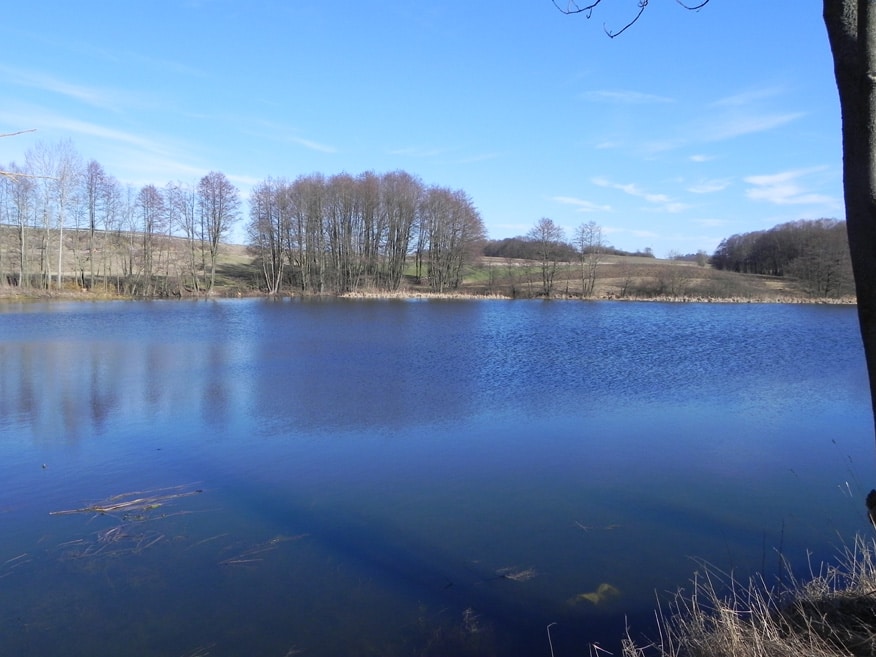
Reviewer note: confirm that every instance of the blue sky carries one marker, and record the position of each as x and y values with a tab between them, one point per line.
688	128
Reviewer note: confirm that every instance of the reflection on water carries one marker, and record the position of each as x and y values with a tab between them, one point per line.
408	477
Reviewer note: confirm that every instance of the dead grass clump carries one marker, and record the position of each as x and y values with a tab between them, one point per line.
832	614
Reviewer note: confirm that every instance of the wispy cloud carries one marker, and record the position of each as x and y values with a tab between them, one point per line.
711	223
93	96
134	59
42	120
243	181
655	147
786	188
663	201
729	127
748	97
92	49
624	97
581	205
283	133
419	152
480	158
312	145
699	157
138	168
710	186
747	112
135	158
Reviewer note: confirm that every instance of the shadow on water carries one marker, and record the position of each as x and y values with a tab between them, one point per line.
488	611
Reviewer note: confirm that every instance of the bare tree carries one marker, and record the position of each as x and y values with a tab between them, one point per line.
373	224
342	226
150	203
19	210
268	223
110	204
588	242
310	206
128	230
67	173
16	192
674	277
341	233
181	207
219	205
549	239
400	200
450	230
98	204
57	168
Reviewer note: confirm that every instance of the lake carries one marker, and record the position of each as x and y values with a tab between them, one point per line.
339	477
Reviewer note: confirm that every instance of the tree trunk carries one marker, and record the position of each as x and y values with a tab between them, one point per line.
22	255
851	29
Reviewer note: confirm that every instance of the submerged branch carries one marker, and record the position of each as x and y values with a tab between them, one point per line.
145	501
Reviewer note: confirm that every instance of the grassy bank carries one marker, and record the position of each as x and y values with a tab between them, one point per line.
830	614
618	278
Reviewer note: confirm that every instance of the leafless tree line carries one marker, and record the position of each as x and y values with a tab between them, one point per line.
71	220
344	233
816	252
552	249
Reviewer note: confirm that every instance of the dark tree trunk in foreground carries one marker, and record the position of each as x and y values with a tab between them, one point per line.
851	28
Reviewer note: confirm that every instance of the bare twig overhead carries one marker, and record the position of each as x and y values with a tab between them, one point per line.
15	175
10	174
572	7
20	132
693	7
642	5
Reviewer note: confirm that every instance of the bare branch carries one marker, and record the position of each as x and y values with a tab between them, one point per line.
15	175
572	7
642	5
20	132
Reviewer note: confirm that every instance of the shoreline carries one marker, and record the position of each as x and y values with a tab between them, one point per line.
8	295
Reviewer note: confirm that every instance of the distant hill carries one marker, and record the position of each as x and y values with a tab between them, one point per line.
617	277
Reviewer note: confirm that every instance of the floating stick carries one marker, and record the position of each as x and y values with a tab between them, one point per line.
111	505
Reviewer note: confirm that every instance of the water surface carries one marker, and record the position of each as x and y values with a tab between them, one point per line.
409	477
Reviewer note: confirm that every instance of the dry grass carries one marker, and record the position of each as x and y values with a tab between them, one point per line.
637	278
832	614
237	274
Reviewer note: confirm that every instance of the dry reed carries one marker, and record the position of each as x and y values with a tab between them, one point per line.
832	614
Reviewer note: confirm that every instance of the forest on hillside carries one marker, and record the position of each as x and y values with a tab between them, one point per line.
67	223
811	254
815	252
